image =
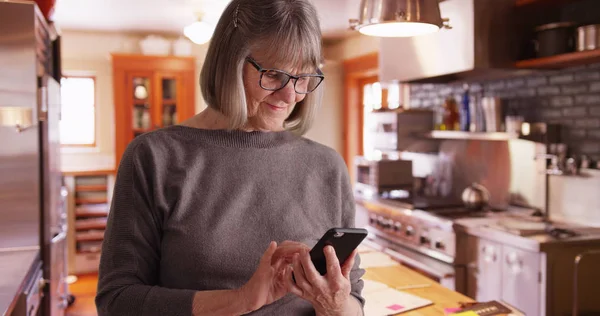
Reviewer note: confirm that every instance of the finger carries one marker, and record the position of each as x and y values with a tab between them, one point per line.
333	264
299	275
268	255
348	264
312	275
290	283
279	266
287	249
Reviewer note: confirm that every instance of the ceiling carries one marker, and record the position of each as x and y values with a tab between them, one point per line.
171	16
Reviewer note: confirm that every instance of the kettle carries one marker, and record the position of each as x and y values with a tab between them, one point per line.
475	196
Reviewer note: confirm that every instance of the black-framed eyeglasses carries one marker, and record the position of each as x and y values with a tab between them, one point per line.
275	79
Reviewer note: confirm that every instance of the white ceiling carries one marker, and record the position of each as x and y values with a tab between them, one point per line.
171	16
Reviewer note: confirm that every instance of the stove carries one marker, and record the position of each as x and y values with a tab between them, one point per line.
425	225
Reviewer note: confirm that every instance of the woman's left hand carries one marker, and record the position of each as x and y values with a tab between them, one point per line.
329	294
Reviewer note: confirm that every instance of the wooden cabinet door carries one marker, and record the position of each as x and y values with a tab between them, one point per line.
169	97
140	99
521	286
489	271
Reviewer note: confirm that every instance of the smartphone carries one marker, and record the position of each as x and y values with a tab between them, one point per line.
343	240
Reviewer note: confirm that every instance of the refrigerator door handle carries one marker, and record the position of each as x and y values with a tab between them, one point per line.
18	116
59	237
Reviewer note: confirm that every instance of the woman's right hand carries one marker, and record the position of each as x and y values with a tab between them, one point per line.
268	283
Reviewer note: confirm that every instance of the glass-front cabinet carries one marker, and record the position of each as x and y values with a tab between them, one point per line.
151	92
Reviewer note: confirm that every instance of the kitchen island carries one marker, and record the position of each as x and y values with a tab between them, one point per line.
399	277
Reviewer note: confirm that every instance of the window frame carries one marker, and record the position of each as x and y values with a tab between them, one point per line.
94	143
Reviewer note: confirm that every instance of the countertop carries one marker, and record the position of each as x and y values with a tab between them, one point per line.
15	266
483	227
401	276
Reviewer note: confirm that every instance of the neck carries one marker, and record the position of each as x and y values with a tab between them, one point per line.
207	119
212	119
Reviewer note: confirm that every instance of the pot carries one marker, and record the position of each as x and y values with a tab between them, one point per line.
475	196
555	38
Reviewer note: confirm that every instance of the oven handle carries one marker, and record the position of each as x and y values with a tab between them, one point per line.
431	266
419	265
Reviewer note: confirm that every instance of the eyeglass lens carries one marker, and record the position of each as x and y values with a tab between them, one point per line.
275	80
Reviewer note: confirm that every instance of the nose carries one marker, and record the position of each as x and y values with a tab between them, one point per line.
287	94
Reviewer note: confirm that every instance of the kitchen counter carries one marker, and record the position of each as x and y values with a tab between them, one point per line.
538	242
483	227
401	276
15	269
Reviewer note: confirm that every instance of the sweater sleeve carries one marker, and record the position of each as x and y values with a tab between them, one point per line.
348	220
129	264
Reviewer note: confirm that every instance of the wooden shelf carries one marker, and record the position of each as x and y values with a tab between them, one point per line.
94	251
171	102
98	213
138	102
90	236
470	135
99	210
92	223
91	200
561	61
91	188
522	3
88	172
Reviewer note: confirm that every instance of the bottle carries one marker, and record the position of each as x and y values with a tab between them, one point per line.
450	121
465	114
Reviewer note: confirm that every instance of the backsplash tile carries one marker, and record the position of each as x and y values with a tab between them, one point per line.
570	97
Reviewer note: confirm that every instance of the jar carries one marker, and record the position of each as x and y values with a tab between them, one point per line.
588	37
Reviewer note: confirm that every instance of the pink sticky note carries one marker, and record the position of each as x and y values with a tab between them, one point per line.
452	310
395	307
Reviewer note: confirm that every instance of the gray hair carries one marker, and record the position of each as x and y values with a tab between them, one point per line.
291	34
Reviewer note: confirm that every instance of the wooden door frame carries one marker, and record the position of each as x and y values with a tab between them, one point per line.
356	72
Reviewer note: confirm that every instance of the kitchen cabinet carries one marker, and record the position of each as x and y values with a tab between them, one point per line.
521	281
502	272
489	265
150	92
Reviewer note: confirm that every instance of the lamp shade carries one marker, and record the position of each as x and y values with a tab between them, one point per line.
199	32
398	18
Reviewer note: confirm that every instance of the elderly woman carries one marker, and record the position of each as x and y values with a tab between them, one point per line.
199	208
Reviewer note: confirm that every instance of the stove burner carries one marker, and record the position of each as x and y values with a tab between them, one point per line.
560	233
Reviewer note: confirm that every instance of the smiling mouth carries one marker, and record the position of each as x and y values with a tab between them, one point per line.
276	108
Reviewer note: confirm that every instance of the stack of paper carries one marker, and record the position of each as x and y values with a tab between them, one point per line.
382	300
376	259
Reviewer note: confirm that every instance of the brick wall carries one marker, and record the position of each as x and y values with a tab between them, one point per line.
570	97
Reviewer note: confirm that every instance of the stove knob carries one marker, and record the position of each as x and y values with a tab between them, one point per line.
409	231
373	219
424	240
387	224
397	226
380	220
440	245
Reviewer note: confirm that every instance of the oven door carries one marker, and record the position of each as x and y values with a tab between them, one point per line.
448	275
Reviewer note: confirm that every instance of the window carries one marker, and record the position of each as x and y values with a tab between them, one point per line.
78	114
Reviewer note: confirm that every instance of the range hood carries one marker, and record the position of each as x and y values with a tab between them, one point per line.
482	44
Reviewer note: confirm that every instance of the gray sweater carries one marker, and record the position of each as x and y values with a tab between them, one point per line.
195	209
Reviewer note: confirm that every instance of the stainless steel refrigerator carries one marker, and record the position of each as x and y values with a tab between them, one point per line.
32	202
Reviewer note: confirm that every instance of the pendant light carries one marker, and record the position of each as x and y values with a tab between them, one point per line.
399	18
199	32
